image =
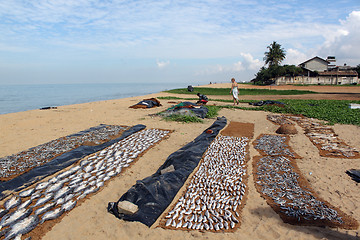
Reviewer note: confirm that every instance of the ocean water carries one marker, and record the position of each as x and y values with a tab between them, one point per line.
18	98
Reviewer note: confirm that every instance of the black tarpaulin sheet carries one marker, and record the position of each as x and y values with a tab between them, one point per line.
58	164
267	102
153	194
354	174
199	111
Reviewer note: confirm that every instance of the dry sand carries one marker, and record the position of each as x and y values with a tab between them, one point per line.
90	220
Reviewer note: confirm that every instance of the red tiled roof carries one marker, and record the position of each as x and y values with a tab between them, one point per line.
339	73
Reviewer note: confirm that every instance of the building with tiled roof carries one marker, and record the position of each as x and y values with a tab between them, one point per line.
320	71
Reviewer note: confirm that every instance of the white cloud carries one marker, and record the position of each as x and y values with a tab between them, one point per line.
221	37
162	64
295	57
344	42
247	63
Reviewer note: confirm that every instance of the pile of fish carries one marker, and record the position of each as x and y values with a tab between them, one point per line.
323	137
215	194
50	199
279	181
36	156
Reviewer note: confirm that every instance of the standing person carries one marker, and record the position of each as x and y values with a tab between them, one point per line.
234	91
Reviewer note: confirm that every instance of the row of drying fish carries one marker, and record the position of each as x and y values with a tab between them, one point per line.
274	145
279	119
36	156
50	199
215	193
277	180
320	135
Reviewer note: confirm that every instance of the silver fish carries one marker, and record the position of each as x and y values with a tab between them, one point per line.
68	197
3	212
88	191
60	201
62	192
12	202
44	199
44	209
54	187
64	174
81	188
68	205
42	185
52	215
24	226
36	195
75	181
25	204
15	216
26	193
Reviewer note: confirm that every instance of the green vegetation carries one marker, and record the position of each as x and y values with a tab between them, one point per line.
265	75
357	68
332	111
183	118
213	112
273	58
275	55
242	91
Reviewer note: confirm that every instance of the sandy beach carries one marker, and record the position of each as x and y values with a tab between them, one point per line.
90	220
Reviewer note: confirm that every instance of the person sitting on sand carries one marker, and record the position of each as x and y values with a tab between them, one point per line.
234	91
202	99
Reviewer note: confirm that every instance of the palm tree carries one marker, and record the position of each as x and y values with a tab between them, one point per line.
275	55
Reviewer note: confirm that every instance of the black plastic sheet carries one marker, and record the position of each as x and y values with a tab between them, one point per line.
58	163
354	174
149	103
267	102
153	194
199	111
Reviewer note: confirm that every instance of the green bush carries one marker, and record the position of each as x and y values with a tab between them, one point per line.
183	118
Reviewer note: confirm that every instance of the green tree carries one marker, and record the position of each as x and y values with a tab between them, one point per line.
275	55
357	68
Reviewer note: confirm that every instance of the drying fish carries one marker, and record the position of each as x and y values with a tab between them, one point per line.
59	201
24	226
44	199
54	187
36	195
12	202
52	215
42	185
208	202
81	188
62	192
18	163
26	193
67	206
3	212
77	182
25	204
44	209
15	216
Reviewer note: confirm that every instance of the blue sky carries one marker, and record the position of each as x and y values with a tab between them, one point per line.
195	42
